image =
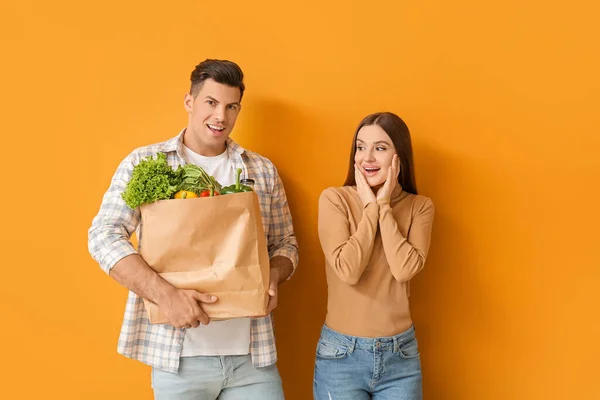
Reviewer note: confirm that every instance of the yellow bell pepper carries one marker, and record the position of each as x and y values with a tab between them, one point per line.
185	194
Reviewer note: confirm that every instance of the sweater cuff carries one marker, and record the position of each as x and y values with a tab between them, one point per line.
383	202
371	206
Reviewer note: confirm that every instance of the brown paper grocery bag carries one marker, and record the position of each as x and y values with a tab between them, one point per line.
215	245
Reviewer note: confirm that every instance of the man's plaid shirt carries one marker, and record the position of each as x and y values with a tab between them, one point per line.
160	345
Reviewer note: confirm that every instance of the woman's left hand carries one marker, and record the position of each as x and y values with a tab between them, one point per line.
385	192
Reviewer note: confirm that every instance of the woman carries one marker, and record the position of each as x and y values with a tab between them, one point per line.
375	233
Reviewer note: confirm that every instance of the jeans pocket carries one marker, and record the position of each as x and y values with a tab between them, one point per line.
331	351
409	349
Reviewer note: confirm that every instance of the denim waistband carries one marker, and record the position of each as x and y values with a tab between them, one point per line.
385	343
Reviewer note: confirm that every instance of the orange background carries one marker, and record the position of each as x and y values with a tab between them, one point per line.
502	100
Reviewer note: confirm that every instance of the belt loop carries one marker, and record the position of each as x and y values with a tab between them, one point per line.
352	345
396	344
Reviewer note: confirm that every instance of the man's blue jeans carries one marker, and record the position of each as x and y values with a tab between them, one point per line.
355	368
221	377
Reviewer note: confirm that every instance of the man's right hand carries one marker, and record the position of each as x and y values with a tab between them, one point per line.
182	308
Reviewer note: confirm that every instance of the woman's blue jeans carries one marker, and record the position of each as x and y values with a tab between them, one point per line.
356	368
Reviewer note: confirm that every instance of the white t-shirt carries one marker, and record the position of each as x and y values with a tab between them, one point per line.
218	338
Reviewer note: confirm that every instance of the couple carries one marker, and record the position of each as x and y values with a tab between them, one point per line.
374	231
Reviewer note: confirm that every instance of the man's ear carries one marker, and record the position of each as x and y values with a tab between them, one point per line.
188	102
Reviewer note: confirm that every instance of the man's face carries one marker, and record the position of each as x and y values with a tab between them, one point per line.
212	115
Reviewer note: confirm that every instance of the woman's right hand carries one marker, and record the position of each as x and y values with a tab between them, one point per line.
362	187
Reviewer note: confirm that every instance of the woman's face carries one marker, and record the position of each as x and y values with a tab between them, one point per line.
374	152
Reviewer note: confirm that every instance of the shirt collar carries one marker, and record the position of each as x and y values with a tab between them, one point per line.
176	144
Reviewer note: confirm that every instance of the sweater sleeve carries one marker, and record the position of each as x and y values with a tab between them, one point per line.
347	254
406	255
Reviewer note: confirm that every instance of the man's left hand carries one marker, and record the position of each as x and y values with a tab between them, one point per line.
273	290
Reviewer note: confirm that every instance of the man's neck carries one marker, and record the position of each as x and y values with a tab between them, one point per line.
201	148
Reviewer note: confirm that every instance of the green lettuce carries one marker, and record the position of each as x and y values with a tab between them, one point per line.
195	179
151	180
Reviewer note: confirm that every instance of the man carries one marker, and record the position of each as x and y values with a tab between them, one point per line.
190	357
